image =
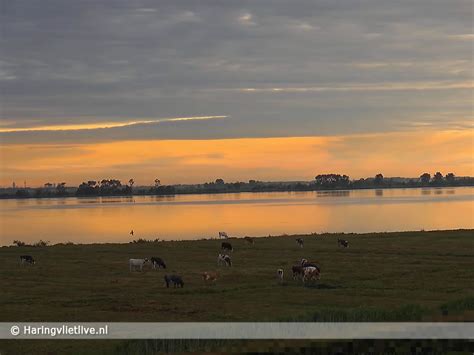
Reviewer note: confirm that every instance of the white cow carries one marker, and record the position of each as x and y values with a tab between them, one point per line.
137	263
311	273
224	259
223	235
280	274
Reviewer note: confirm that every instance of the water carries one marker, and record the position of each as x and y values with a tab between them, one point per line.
110	219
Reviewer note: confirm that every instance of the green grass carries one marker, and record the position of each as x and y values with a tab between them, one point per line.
380	277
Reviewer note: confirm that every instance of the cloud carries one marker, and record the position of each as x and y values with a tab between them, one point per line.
106	125
355	67
146	9
368	87
463	37
246	19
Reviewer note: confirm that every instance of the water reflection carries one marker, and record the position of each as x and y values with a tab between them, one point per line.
110	219
334	193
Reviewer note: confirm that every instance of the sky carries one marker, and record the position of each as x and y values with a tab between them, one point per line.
191	91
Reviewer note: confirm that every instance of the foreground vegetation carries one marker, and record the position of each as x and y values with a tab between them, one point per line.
424	276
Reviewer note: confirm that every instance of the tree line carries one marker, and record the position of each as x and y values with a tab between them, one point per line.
332	181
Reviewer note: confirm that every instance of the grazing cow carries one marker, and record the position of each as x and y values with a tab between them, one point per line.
227	246
298	271
224	259
176	280
300	242
305	263
249	240
280	274
158	263
342	243
210	276
311	273
27	259
223	235
137	263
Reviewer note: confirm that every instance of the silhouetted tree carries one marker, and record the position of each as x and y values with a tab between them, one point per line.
378	179
219	182
89	188
425	178
157	182
438	178
61	189
450	177
332	180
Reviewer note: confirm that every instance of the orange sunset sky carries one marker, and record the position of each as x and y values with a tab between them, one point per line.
288	158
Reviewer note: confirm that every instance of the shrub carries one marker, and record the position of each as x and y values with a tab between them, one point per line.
41	243
141	240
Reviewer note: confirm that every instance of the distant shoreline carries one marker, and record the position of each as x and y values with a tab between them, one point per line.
193	190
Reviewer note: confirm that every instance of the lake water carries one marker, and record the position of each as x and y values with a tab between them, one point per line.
110	219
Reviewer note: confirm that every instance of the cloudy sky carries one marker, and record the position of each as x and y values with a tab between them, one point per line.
193	90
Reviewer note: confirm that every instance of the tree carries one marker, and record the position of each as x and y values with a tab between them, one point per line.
131	182
89	188
110	187
450	177
378	179
438	177
157	182
219	182
332	180
425	178
61	188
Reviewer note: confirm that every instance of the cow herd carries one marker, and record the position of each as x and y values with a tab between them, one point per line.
306	271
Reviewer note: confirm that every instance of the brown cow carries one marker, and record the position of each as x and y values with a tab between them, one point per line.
209	276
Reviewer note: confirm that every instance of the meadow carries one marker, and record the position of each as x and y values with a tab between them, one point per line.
406	276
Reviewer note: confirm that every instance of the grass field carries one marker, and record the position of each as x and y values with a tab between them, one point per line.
380	277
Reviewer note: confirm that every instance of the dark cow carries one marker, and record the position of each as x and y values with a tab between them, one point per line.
342	243
226	246
27	259
176	280
298	271
158	263
300	242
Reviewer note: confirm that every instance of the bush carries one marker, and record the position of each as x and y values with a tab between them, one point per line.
41	243
141	240
19	243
